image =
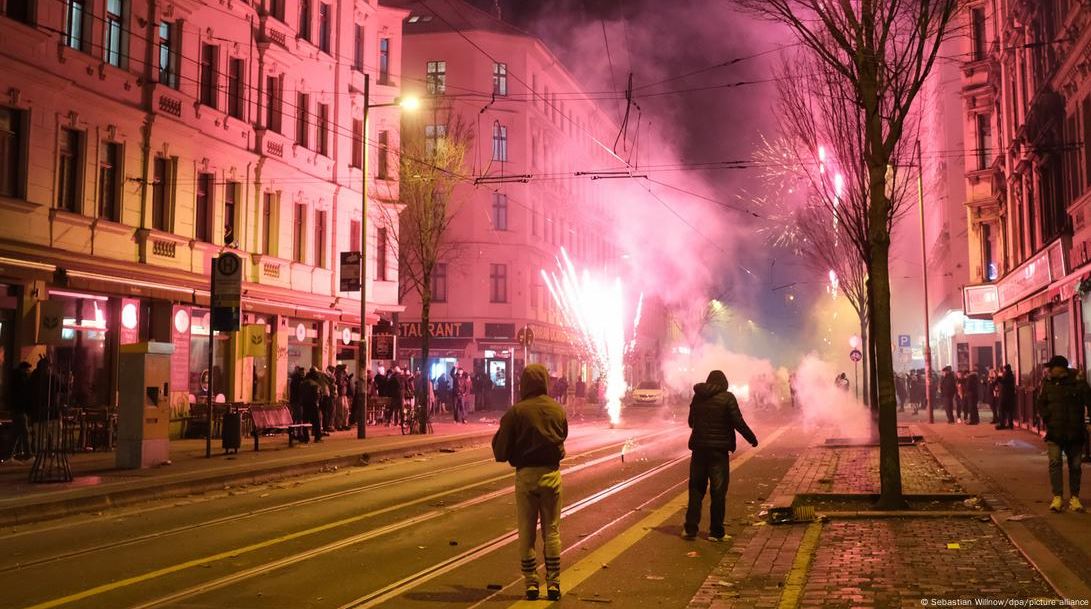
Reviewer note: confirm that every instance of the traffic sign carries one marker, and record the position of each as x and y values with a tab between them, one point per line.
903	341
226	292
855	355
525	336
384	347
350	271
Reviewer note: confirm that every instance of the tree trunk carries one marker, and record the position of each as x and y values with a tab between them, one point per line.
426	338
865	362
890	474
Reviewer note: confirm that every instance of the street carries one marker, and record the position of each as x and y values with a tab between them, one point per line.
426	532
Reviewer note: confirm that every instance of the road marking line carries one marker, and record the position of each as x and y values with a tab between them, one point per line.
578	573
136	579
801	567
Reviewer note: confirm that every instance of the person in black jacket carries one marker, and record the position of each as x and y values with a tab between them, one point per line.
948	387
714	417
531	438
1007	398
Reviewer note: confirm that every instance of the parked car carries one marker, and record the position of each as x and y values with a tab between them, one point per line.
648	393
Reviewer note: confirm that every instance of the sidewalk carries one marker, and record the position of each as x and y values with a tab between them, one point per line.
907	559
98	484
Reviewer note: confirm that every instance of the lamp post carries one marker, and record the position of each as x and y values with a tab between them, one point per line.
363	353
924	269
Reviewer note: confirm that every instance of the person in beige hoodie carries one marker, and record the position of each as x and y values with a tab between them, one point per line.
531	438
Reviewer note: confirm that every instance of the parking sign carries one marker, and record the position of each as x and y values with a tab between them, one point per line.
903	341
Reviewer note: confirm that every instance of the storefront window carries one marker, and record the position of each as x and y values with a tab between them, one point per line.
346	348
1061	340
198	357
80	358
302	341
260	365
1026	354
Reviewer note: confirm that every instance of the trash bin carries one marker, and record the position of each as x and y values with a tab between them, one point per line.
231	431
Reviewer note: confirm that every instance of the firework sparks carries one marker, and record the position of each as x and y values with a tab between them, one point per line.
595	308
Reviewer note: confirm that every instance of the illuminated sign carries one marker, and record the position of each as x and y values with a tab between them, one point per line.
978	326
980	299
437	329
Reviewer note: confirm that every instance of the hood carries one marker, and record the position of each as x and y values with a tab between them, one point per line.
534	382
715	383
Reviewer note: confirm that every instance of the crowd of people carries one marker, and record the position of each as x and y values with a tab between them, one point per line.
961	394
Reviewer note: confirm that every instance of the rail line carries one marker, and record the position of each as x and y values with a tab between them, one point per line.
354	539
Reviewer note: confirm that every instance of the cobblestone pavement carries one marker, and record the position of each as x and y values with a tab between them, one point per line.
856	470
899	562
881	563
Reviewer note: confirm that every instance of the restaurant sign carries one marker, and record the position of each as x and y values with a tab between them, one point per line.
437	329
1031	276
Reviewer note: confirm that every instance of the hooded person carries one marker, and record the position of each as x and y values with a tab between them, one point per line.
531	438
714	417
1063	403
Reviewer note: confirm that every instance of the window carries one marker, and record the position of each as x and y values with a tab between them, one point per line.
274	97
977	21
168	54
299	224
499	211
75	25
357	159
202	224
305	20
439	282
988	247
12	147
69	170
500	79
358	48
210	60
499	142
354	235
236	96
276	9
302	119
984	141
498	283
268	204
231	197
114	34
435	78
323	122
320	238
381	247
18	10
381	164
163	193
433	135
384	60
323	27
109	182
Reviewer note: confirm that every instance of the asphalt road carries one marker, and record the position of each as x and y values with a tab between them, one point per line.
432	531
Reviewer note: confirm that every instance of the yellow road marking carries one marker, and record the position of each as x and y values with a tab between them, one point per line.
801	566
136	579
592	563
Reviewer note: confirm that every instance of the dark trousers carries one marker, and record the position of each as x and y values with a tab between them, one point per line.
969	411
1007	413
949	406
314	417
994	405
460	408
708	469
327	412
1073	452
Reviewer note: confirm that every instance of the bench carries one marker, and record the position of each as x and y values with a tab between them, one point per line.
271	419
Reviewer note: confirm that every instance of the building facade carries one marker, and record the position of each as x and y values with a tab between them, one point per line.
532	129
139	140
1028	121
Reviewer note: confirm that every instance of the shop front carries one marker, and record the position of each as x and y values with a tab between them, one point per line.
1037	312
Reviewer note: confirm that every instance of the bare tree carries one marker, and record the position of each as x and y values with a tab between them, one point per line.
873	58
431	161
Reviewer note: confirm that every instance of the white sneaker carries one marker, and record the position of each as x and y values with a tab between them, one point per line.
1075	505
719	539
1057	504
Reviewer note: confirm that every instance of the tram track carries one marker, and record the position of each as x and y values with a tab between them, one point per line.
612	454
397	588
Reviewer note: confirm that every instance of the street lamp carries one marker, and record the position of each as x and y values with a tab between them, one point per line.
363	354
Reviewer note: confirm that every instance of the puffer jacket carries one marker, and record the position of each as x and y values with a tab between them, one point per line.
533	431
714	417
1062	404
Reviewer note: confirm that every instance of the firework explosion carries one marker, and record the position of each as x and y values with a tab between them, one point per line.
595	307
